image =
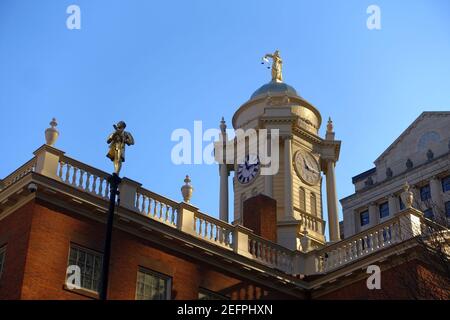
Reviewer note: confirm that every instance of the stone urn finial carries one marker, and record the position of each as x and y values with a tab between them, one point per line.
407	196
51	134
187	189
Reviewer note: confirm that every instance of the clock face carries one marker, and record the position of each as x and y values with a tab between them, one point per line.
307	167
247	171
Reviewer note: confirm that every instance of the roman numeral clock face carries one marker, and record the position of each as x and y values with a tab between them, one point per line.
307	167
248	171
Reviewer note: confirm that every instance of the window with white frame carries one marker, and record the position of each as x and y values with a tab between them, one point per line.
152	285
90	263
2	259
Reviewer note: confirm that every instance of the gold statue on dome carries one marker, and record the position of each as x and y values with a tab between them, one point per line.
277	63
117	141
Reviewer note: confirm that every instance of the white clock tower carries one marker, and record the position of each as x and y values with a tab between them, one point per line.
303	157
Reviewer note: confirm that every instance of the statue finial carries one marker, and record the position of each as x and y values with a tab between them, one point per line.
187	189
51	134
117	141
223	125
304	241
407	195
277	63
330	125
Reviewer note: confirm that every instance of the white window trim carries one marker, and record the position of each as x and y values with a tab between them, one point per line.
90	251
157	274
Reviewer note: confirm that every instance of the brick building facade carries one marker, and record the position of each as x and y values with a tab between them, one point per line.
49	217
53	212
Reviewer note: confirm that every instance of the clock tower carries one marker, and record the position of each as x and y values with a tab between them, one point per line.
305	162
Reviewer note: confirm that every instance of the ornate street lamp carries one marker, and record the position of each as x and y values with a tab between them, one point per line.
117	142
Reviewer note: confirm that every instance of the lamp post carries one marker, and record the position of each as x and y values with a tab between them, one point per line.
117	141
114	181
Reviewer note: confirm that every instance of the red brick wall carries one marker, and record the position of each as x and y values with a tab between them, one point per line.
260	215
52	232
187	274
38	238
50	238
14	233
409	280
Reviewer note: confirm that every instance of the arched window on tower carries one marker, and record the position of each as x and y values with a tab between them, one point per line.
302	199
313	204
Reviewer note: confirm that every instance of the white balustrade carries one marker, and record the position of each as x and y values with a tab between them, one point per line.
270	253
84	177
365	243
404	226
213	230
29	166
156	207
311	223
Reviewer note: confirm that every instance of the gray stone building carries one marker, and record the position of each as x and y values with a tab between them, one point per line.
420	156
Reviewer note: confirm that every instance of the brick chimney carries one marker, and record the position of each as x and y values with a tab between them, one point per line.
260	215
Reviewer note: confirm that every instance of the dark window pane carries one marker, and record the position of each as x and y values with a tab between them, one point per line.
364	217
428	213
425	193
384	210
446	184
447	209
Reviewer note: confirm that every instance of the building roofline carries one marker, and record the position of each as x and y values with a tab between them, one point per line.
408	129
363	175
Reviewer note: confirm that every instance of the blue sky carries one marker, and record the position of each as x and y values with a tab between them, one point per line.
161	65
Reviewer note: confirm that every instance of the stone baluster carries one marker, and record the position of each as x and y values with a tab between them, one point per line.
87	182
74	176
80	180
100	186
94	184
60	172
375	240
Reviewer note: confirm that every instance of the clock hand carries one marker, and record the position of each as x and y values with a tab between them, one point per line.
305	164
311	167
